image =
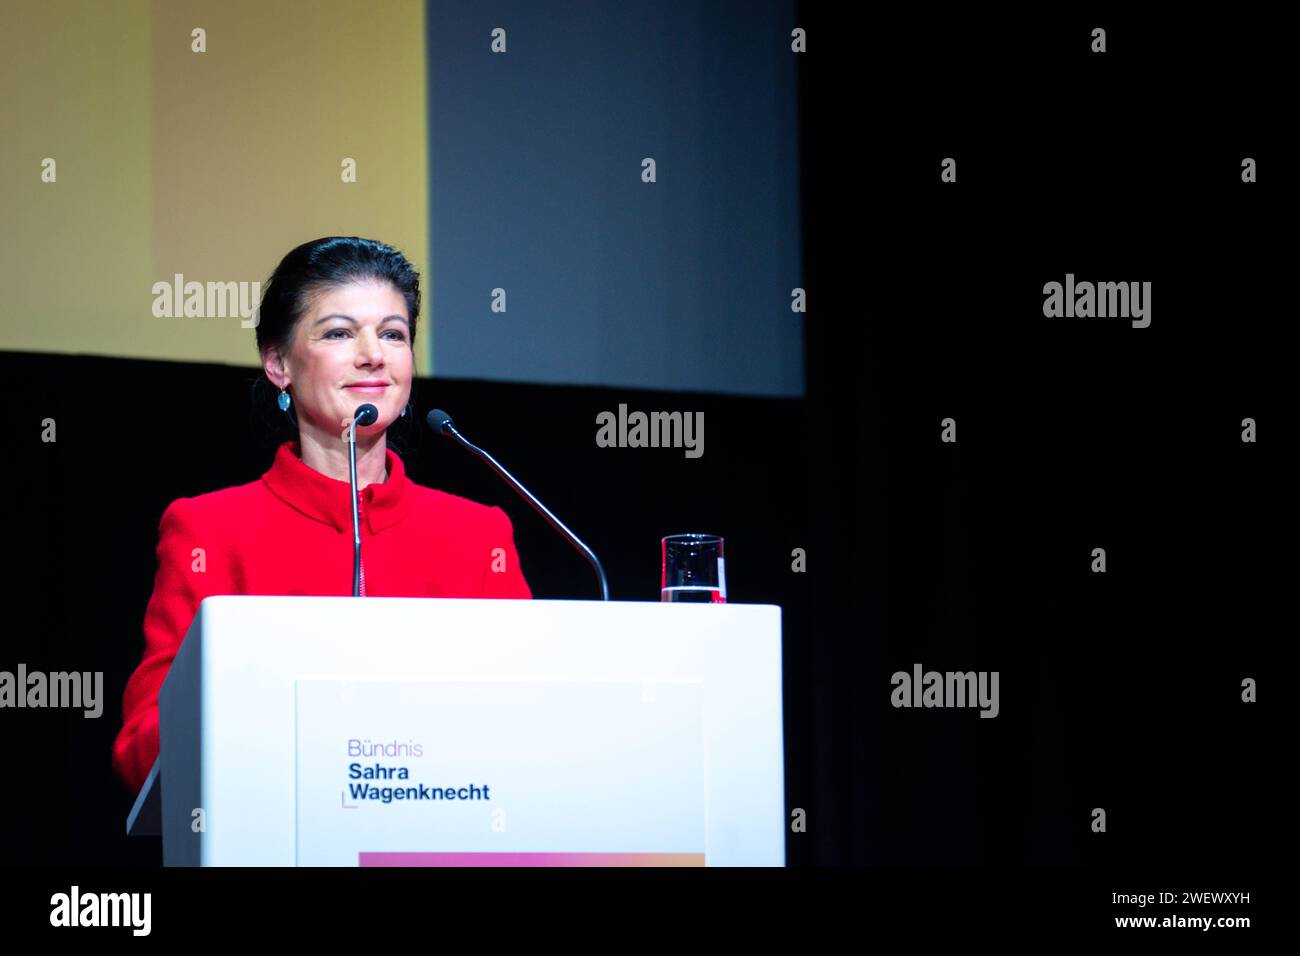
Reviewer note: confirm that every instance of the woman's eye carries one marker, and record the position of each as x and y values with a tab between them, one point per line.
397	336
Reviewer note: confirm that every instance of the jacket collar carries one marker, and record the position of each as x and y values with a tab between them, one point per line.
328	500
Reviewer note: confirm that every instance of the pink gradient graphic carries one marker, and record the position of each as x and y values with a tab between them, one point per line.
531	859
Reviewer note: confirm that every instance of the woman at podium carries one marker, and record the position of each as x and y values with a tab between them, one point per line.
336	329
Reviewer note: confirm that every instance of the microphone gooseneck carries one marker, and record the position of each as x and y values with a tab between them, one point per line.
365	414
441	423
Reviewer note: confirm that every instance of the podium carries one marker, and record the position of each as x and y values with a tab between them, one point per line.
341	731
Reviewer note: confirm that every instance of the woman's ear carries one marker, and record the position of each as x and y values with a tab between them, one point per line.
274	365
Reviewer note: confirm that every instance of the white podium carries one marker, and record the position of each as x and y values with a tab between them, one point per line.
340	731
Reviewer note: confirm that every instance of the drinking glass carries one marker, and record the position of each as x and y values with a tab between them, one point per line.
693	569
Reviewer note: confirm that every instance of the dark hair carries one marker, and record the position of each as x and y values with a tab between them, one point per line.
312	267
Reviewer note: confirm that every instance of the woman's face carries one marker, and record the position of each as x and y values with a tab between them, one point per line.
348	334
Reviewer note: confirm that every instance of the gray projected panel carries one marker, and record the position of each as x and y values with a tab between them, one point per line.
536	189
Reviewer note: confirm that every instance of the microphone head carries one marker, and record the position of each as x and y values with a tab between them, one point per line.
440	422
366	414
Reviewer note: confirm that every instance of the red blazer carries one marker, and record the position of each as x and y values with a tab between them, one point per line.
290	532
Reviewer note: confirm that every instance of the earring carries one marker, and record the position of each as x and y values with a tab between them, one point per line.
408	405
284	400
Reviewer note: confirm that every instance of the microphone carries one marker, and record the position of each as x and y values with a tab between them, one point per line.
441	423
365	414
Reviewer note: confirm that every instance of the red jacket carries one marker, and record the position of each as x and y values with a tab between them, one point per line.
290	532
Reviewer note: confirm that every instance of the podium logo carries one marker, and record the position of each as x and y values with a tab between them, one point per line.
38	689
102	909
949	689
652	430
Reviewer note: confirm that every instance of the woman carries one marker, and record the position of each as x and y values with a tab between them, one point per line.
337	329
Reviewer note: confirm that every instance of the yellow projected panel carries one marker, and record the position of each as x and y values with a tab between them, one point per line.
75	254
210	164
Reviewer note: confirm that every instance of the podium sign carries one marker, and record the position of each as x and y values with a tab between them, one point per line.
388	770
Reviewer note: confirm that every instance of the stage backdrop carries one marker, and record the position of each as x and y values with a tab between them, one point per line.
640	231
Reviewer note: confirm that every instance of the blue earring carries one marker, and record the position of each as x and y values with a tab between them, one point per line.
404	408
284	400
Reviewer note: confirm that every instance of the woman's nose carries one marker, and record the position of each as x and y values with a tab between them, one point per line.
368	346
